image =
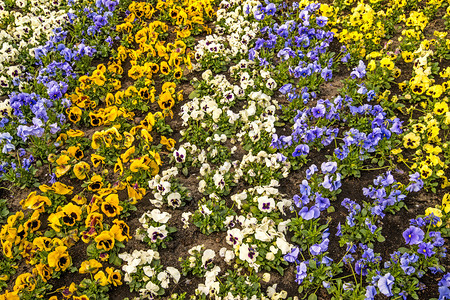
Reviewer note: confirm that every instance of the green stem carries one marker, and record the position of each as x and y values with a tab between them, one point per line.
373	169
353	272
2	187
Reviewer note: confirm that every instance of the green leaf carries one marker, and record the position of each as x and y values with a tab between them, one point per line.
49	233
194	94
161	292
114	259
91	250
312	297
380	238
280	270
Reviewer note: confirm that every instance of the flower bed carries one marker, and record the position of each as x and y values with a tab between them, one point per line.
228	150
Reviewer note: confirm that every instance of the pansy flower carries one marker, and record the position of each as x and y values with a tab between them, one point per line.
63	165
59	259
43	270
74	114
35	202
110	206
114	276
266	204
89	266
33	223
105	241
413	235
81	170
75	152
97	160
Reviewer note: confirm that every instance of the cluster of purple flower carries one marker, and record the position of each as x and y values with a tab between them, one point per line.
444	287
301	44
414	235
326	182
385	193
98	15
310	134
318	256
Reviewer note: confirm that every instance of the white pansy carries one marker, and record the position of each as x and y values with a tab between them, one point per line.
284	246
185	219
163	277
149	271
234	236
247	253
266	204
205	169
160	217
229	256
174	273
270	256
282	226
163	187
207	257
219	181
152	288
238	198
201	186
205	210
157	233
174	200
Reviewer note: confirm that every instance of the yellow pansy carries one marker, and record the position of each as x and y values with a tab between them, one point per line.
411	141
81	170
59	259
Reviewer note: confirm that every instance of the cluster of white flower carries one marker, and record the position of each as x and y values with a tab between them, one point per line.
232	38
255	125
262	160
249	235
222	90
27	27
243	240
154	277
217	175
268	198
197	109
211	285
161	188
154	233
